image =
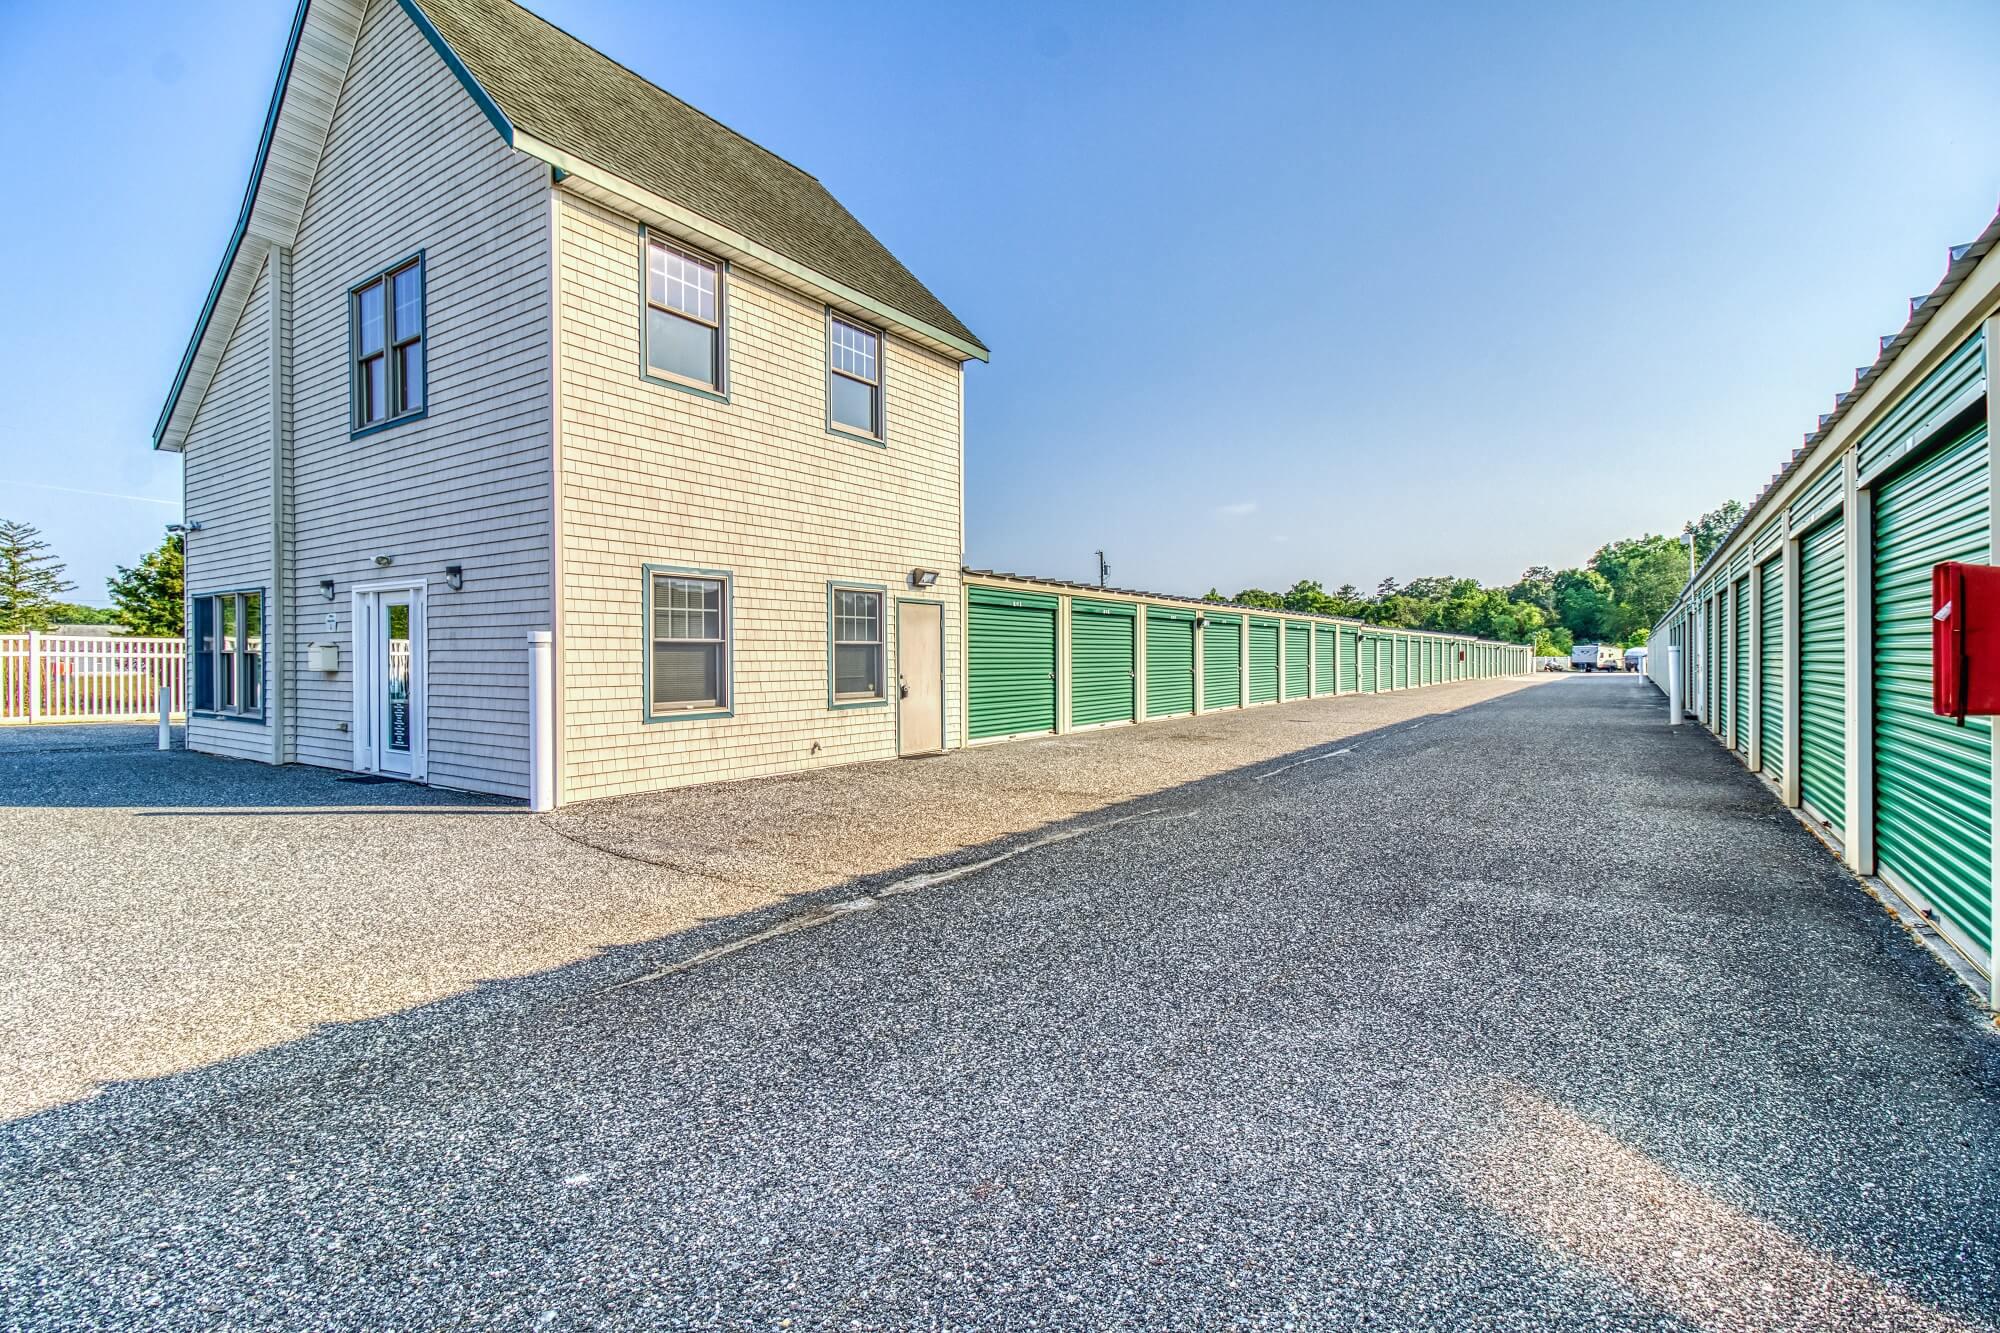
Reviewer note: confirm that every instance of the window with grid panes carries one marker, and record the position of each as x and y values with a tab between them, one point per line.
690	643
857	644
854	377
683	317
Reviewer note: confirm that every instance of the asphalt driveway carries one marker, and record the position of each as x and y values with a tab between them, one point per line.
1528	1015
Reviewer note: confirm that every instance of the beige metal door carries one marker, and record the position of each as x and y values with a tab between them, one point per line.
919	677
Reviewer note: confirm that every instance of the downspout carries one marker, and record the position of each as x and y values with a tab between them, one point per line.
277	647
556	675
965	609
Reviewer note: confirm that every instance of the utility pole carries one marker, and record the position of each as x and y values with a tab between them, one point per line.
1103	570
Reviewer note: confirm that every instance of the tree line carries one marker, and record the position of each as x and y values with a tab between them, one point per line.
147	598
1616	598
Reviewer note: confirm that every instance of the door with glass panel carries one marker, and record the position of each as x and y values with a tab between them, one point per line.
389	687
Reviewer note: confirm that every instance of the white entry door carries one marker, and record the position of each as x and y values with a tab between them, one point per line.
919	677
389	721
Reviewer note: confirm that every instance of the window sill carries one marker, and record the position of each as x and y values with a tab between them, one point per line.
876	701
391	423
209	715
696	390
857	436
690	715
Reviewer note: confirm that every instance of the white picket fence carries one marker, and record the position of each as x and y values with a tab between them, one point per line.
77	678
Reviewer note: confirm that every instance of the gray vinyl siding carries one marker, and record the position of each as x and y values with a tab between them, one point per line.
228	479
412	164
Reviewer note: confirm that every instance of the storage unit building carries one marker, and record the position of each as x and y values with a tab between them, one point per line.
1042	656
1809	630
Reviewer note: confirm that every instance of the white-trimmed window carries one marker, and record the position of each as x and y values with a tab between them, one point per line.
229	654
688	651
386	316
853	377
683	317
857	645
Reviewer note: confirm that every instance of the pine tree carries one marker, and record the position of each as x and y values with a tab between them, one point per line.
31	579
150	597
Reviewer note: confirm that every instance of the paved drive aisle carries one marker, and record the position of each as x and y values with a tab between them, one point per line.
1526	1016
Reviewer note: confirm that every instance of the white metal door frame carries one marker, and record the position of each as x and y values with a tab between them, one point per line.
368	601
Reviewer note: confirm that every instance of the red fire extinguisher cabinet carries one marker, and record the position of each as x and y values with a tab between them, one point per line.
1965	640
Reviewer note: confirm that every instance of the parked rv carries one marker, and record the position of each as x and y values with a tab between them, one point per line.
1595	657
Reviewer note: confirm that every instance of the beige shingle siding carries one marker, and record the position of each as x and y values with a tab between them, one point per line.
756	486
228	478
411	163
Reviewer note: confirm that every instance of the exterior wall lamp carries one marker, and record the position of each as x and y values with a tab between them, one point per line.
923	578
454	577
326	589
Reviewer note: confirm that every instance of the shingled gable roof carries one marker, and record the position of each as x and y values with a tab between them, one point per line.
556	90
536	82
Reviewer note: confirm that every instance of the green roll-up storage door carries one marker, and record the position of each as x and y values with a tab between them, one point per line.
1103	662
1933	778
1822	667
1011	659
1326	659
1741	689
1771	667
1708	671
1222	663
1298	659
1399	663
1365	664
1430	661
1350	660
1263	661
1725	679
1169	662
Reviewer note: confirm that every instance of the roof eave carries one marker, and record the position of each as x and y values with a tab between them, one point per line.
236	235
590	181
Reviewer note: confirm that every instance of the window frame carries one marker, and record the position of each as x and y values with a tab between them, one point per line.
206	667
880	438
718	391
725	676
391	378
880	592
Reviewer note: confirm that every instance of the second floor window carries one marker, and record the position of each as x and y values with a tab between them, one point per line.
683	317
854	378
386	314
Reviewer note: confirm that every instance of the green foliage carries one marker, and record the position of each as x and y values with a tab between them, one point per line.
1712	527
31	579
1557	642
1257	597
76	613
1645	574
1585	603
150	596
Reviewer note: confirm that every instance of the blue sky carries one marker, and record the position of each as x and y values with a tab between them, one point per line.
1273	292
